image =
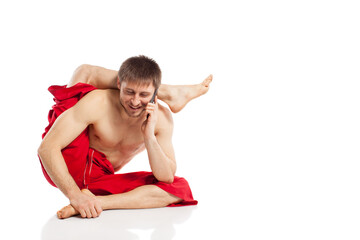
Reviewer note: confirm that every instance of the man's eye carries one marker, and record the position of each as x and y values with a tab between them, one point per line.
128	92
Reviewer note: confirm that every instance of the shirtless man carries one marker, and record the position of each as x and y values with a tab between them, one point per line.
93	133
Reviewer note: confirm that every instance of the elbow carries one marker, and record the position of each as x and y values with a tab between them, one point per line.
165	174
168	179
44	148
41	153
82	74
41	150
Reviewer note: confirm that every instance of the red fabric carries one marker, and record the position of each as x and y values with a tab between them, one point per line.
90	168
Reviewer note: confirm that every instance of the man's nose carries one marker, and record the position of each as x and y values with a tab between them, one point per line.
135	101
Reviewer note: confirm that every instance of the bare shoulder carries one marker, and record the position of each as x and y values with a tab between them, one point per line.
93	104
111	94
96	98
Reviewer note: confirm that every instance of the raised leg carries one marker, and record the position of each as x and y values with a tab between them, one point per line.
148	196
177	96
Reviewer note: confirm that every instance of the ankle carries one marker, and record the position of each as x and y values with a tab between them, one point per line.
165	93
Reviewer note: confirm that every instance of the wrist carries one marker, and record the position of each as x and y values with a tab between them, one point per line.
149	139
73	193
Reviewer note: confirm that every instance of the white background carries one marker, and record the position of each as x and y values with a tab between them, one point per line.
271	152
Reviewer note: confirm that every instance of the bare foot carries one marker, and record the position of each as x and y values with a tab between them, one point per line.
180	95
69	211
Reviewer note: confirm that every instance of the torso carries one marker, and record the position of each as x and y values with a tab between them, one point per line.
120	142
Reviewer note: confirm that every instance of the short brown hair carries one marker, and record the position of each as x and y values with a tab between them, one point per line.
140	69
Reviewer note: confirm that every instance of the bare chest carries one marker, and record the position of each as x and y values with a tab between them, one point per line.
118	142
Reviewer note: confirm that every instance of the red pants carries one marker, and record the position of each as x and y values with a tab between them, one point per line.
90	168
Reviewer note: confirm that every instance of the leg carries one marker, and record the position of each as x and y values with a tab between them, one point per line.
80	75
177	96
99	77
148	196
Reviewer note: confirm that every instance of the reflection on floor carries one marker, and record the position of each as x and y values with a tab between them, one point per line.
119	224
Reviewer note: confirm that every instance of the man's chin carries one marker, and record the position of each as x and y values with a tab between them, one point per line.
131	113
134	114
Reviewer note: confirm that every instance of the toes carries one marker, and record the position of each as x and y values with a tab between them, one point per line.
66	212
208	80
59	214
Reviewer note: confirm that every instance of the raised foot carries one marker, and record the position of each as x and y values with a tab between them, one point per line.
181	95
69	211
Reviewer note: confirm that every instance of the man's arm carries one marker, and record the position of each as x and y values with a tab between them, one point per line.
66	128
159	145
99	77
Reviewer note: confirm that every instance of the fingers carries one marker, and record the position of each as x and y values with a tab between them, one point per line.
93	212
149	111
151	107
86	204
82	213
90	211
86	213
98	209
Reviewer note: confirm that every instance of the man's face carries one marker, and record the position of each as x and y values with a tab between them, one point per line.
135	97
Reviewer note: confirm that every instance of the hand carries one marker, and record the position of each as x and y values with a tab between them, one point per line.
151	113
88	206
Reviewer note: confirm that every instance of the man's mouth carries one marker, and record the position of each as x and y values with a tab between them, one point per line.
134	108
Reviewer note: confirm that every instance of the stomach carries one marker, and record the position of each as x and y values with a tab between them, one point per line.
119	151
120	155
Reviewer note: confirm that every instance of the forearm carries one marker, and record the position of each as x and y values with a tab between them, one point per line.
162	166
55	166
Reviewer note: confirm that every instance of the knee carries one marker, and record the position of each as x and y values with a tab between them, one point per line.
83	69
81	74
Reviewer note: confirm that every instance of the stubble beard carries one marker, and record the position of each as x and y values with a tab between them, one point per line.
129	114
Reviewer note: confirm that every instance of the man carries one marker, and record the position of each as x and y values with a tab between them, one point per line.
93	133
